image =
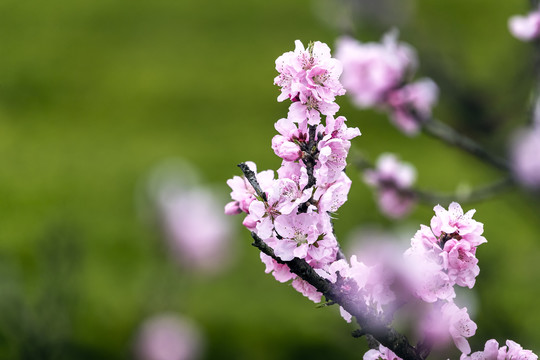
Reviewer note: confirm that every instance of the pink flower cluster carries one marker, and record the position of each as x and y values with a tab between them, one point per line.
393	181
525	28
378	75
441	256
447	248
294	217
310	79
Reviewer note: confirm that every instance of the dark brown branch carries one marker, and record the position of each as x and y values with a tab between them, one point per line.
251	177
447	134
475	195
368	321
309	155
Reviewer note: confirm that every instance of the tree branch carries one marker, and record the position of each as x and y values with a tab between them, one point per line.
368	321
447	134
252	178
474	195
309	157
480	193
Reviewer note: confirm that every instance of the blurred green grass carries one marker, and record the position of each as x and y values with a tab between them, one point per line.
93	94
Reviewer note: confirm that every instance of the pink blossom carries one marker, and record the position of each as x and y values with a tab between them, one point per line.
525	28
323	251
198	234
515	351
411	104
295	171
298	231
525	160
461	262
383	353
338	129
284	145
449	322
283	197
332	159
371	70
307	290
331	198
453	223
168	337
426	277
512	351
281	272
393	180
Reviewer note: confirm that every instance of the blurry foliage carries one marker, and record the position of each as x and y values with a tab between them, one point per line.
94	93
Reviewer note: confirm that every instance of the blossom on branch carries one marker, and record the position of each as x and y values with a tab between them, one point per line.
445	253
292	214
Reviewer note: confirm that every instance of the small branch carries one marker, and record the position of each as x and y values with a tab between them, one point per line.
424	348
309	157
367	320
475	195
372	342
358	333
252	178
447	134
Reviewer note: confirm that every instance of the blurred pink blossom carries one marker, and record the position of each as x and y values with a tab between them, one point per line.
524	154
525	28
393	181
412	104
197	232
449	322
168	337
371	70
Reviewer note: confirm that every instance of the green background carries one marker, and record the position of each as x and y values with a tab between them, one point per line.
94	94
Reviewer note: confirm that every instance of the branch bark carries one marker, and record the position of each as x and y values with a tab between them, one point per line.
368	321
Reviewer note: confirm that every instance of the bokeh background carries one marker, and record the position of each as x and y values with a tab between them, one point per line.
95	94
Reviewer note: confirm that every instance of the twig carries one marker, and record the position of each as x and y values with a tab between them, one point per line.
309	157
447	134
480	193
367	320
252	178
474	195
